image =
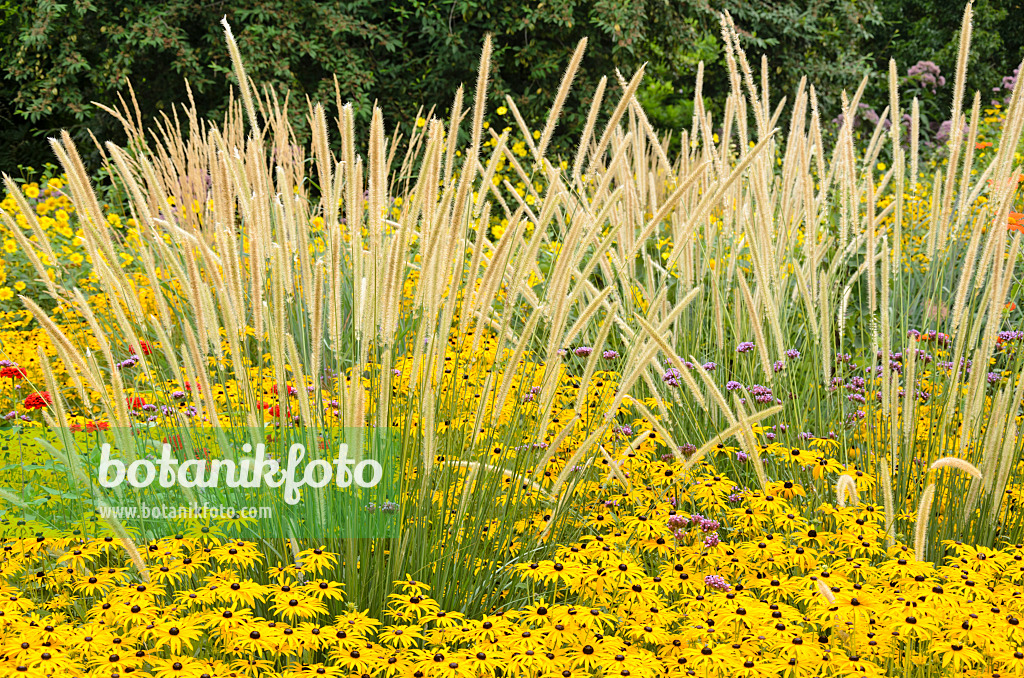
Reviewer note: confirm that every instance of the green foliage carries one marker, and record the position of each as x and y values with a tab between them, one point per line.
826	40
930	30
59	57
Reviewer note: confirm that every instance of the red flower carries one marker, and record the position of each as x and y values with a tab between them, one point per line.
13	373
91	426
136	402
37	401
188	387
146	350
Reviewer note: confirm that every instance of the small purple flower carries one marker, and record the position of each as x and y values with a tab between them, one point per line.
10	415
711	540
708	525
676	522
178	395
733	385
610	355
687	448
994	377
745	346
671	377
716	582
762	394
742	456
805	435
792	354
582	351
709	366
778	366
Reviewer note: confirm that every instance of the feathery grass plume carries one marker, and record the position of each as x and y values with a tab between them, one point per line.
480	101
846	489
963	285
957	116
96	234
1008	457
563	92
888	501
974	492
825	592
243	80
924	510
991	447
964	187
613	122
915	141
588	131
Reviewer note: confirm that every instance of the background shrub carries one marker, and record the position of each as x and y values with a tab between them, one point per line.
59	57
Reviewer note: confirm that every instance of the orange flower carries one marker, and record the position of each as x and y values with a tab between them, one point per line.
982	144
1016	222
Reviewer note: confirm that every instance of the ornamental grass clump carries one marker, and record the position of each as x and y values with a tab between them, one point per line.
752	410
